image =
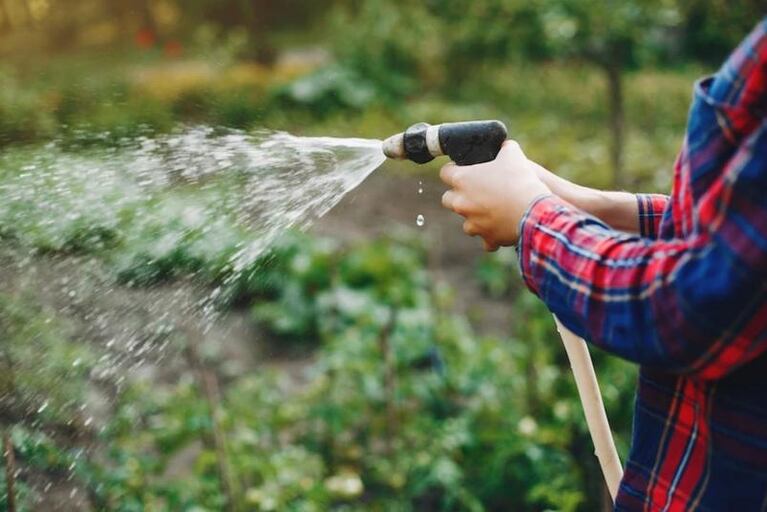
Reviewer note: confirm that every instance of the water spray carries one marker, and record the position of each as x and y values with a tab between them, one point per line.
476	142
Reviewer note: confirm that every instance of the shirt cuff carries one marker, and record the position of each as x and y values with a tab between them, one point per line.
541	208
650	208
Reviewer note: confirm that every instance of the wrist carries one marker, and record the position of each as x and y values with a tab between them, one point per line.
531	215
533	195
592	201
573	193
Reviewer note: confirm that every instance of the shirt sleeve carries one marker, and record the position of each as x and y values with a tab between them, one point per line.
651	208
695	305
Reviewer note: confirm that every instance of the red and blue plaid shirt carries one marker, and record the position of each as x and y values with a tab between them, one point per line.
686	299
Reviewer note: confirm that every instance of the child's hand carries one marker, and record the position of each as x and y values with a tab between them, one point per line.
493	196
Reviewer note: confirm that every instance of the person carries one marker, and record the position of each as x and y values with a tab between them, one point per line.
677	284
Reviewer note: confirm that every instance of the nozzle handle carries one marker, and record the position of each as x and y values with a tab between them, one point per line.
472	142
466	143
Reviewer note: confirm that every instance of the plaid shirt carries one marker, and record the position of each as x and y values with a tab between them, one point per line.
686	299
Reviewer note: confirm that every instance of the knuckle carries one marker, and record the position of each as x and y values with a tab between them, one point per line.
490	246
446	199
460	206
446	173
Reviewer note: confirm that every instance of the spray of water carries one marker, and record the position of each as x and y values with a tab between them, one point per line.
198	195
79	228
263	182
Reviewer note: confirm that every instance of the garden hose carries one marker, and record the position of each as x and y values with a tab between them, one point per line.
475	142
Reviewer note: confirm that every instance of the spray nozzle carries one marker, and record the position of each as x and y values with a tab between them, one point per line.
467	143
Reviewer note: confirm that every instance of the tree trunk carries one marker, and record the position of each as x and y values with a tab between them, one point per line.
147	17
29	18
616	122
120	12
5	20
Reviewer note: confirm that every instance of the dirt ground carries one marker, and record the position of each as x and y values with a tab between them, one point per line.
388	202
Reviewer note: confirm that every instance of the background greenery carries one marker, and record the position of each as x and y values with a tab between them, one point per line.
405	406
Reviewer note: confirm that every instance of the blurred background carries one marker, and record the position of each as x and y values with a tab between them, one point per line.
367	364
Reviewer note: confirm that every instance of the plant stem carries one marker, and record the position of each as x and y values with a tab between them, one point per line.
10	471
208	383
390	379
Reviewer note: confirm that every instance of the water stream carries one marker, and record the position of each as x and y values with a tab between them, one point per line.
87	233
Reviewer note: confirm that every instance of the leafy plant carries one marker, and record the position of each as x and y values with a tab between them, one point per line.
405	408
326	91
23	116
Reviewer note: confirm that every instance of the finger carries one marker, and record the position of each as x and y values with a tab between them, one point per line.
453	200
470	229
448	173
490	246
510	143
448	199
511	147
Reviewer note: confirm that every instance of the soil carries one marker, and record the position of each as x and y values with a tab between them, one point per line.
388	202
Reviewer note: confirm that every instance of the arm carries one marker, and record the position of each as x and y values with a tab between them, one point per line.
632	213
696	305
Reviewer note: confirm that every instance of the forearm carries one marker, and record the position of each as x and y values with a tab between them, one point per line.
616	209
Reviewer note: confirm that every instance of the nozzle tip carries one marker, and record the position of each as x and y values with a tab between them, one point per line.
394	146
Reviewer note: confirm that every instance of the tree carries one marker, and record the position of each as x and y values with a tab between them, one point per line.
712	28
482	31
259	18
614	35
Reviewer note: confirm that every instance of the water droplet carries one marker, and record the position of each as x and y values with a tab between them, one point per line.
420	221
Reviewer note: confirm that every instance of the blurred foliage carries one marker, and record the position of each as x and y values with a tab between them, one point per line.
712	28
404	409
394	44
328	91
402	406
611	34
21	119
43	372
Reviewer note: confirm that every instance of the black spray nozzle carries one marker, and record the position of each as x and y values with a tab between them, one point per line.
467	143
